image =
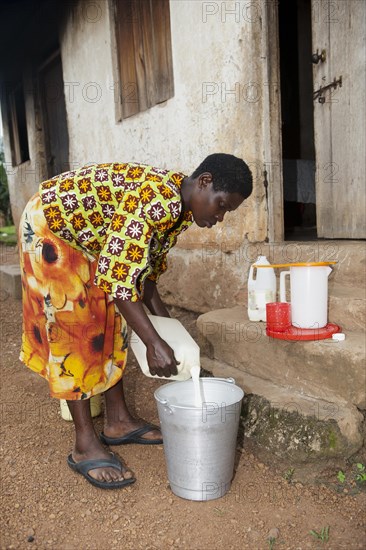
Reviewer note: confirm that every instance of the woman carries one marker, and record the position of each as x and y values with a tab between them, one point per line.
94	242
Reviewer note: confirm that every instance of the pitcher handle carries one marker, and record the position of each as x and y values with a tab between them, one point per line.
283	285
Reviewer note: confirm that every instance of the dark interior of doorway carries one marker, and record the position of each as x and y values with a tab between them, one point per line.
298	149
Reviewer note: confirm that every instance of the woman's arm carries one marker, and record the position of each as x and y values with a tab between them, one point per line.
159	354
152	299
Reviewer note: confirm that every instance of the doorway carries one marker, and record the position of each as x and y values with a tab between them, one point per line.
298	149
53	110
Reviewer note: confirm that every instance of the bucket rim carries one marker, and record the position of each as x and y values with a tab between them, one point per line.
192	407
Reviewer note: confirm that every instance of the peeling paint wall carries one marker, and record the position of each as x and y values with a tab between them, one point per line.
218	105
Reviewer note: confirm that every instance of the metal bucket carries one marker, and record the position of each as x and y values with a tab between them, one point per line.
200	442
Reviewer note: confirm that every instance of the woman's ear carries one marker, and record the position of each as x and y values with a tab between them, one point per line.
204	180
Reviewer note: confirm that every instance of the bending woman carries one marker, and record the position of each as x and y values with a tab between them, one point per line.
94	242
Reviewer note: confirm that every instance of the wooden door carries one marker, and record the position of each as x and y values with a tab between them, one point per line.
338	29
54	116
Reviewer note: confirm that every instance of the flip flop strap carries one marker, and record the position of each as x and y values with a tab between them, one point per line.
86	465
141	431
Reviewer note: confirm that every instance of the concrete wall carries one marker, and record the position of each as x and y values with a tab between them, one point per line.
220	85
217	106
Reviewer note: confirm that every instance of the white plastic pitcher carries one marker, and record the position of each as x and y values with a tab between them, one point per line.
186	350
309	294
261	289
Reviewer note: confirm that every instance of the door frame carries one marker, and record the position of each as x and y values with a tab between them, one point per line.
272	135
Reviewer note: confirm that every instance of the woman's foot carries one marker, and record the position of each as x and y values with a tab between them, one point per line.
88	447
103	474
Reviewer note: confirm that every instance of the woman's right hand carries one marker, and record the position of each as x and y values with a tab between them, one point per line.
159	354
160	358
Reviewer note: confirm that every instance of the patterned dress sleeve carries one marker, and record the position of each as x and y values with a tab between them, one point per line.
131	245
158	257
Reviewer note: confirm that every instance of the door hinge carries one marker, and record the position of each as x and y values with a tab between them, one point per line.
265	183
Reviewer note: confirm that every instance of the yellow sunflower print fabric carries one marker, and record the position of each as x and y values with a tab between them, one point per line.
89	236
72	334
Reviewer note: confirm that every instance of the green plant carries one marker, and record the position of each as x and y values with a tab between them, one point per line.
361	474
8	235
323	535
271	543
289	474
341	476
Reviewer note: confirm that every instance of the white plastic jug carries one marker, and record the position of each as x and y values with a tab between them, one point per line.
261	289
309	294
186	350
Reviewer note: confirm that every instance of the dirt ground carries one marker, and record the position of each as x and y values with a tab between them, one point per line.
45	505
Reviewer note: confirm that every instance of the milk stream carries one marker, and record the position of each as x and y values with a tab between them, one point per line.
195	373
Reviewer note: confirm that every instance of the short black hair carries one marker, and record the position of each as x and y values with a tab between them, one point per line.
229	174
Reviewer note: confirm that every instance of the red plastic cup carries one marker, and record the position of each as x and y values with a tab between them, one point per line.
278	316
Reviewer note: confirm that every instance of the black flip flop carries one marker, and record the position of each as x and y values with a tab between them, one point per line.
84	466
133	437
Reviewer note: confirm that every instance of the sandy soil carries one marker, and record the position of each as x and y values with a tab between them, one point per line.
45	505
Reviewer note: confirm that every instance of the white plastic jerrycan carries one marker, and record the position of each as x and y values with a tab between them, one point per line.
309	293
95	407
261	289
186	350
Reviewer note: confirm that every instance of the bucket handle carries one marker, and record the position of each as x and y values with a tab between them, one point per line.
167	409
229	380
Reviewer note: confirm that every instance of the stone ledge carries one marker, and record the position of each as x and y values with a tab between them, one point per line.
297	426
10	281
347	306
324	369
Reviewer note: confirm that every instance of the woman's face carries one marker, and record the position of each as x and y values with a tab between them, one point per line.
209	207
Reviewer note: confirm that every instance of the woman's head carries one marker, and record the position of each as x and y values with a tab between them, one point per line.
229	174
218	185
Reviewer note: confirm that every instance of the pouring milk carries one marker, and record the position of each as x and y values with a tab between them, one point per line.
195	373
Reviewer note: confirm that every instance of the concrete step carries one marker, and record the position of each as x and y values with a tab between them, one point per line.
320	372
347	306
317	368
224	266
347	282
291	424
10	281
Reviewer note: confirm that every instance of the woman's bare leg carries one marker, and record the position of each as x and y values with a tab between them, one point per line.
118	420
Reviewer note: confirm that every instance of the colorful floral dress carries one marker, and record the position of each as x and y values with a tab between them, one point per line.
89	236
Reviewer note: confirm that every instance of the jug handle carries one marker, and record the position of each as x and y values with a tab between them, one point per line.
283	285
251	273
